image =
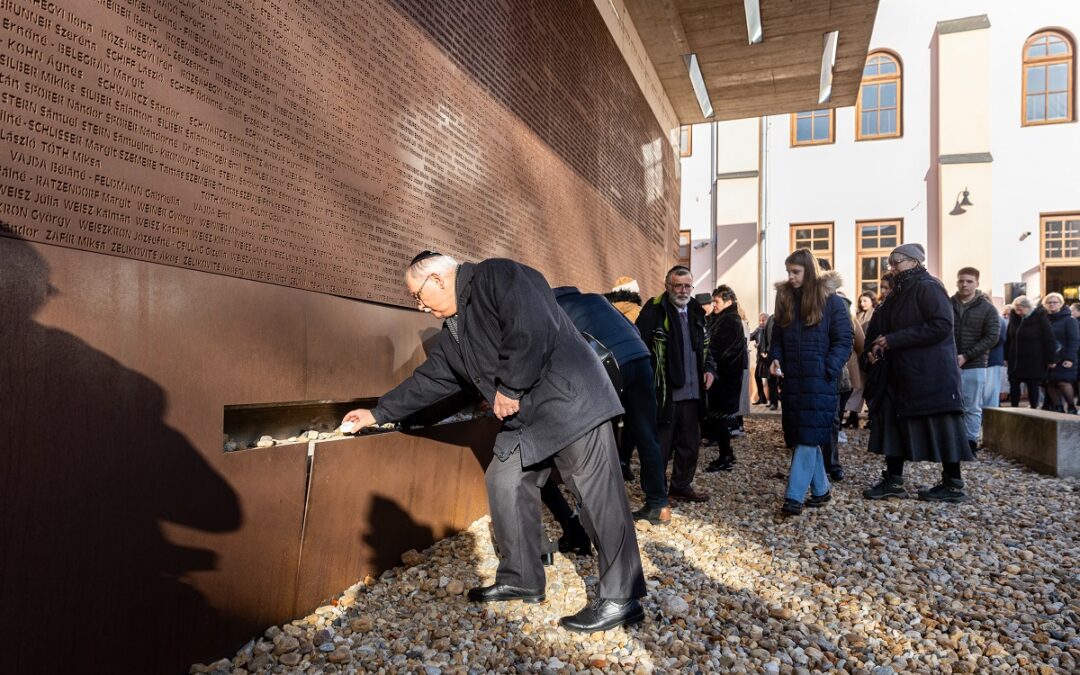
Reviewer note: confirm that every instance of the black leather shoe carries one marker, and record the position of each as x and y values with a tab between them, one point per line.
575	539
604	615
501	592
837	475
791	507
720	465
657	515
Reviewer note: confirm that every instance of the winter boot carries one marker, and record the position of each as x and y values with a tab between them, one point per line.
888	486
948	490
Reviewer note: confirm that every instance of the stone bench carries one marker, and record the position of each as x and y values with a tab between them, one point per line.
1048	442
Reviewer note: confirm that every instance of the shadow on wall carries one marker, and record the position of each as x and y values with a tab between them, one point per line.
88	470
388	522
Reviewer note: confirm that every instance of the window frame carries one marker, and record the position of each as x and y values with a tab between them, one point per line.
796	143
1055	262
1047	61
689	150
882	79
861	252
685	262
831	257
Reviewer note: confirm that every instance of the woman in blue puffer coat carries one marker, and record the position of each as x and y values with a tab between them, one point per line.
811	343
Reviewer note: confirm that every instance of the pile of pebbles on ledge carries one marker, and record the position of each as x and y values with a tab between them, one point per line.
900	586
231	445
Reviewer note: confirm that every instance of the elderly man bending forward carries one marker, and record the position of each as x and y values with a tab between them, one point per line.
504	335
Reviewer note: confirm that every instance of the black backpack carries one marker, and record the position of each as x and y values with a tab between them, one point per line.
607	359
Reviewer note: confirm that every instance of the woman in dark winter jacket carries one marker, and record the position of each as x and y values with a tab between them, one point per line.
920	412
811	343
1029	349
1062	375
727	341
874	379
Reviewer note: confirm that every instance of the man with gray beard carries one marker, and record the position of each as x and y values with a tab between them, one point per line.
673	327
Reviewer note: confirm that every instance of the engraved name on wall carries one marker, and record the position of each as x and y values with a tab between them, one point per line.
317	145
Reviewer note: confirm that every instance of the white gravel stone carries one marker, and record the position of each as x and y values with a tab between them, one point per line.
855	586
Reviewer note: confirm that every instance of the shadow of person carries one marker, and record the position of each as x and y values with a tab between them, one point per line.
391	531
88	469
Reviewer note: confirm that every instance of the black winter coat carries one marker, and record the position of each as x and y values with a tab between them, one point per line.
917	322
1067	339
727	341
811	358
514	339
1030	347
661	330
975	329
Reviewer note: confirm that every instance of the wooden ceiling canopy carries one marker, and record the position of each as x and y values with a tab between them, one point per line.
779	75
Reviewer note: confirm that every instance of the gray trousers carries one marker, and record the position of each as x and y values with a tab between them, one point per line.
680	440
590	468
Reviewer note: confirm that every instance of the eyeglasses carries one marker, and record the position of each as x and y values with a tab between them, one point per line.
416	295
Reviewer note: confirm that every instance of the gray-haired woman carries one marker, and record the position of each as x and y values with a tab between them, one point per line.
1029	349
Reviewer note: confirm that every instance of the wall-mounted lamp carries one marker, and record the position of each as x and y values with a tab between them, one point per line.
1025	235
961	201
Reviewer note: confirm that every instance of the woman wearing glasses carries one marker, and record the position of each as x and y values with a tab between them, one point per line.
1062	375
920	409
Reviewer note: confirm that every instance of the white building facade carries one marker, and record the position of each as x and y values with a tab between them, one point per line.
958	97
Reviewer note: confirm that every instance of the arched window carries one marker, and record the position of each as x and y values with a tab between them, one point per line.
1048	76
878	110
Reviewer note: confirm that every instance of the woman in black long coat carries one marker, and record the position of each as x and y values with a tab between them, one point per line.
1029	349
1060	379
727	341
920	409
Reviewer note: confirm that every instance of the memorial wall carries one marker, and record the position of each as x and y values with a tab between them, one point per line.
208	205
320	145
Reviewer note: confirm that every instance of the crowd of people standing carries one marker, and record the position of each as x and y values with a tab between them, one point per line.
673	371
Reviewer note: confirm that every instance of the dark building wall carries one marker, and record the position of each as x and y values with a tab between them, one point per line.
210	204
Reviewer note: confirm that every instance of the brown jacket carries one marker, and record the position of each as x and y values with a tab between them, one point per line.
853	361
628	309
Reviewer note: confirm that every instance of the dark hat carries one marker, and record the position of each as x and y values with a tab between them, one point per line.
914	251
423	255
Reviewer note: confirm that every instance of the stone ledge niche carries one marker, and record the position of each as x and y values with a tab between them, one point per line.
1048	442
253	426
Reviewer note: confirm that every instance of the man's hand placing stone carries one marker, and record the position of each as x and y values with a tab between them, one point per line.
355	420
504	406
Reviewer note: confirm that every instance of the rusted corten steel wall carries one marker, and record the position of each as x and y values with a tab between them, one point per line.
209	204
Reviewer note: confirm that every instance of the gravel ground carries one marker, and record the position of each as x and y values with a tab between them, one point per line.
900	586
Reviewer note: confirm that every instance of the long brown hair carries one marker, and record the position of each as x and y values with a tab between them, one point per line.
814	293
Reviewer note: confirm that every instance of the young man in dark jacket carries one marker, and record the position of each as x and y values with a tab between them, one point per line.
504	336
976	330
673	327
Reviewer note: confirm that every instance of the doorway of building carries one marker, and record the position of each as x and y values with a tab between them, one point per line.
1065	280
